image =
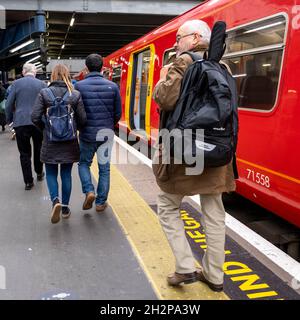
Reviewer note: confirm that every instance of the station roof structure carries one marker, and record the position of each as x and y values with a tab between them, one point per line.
75	28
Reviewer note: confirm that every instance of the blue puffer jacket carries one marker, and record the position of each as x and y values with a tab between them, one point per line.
102	102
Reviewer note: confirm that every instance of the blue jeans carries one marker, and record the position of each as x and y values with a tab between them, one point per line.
87	152
66	179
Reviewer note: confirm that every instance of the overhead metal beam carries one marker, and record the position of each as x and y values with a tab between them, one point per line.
18	33
150	20
170	7
91	38
79	42
101	29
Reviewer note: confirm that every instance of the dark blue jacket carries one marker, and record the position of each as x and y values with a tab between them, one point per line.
102	103
21	99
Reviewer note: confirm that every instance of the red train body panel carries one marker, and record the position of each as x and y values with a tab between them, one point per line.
269	137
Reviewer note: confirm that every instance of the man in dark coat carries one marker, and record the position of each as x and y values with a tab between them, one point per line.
102	102
19	106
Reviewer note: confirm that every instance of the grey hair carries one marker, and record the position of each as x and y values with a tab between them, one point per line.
29	68
200	27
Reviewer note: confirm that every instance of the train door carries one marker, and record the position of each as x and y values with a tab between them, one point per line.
138	102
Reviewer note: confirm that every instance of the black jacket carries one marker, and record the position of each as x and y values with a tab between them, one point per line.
2	93
58	152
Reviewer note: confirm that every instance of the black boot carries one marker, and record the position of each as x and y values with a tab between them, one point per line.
65	212
40	177
29	186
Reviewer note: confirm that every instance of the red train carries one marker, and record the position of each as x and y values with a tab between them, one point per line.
263	52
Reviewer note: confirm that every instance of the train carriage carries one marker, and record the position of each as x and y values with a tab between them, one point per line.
263	52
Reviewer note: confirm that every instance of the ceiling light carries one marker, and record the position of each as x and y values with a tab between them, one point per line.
34	58
63	46
58	58
29	53
21	46
264	27
72	22
239	75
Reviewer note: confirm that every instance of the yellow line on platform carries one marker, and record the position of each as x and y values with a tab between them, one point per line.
144	233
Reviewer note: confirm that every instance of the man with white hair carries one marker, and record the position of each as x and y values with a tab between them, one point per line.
175	183
19	106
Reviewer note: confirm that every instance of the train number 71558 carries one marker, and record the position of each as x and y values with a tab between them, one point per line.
258	178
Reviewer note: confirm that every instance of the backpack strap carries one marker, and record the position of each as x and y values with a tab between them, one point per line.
66	96
234	166
50	94
53	97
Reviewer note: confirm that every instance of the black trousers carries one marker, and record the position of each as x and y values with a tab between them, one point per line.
23	135
2	120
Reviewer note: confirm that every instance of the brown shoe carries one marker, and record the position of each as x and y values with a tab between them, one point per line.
101	207
212	286
175	279
55	213
89	200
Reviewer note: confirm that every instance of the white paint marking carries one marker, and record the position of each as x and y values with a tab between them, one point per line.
62	295
2	278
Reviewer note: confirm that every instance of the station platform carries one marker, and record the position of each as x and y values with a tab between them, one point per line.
120	254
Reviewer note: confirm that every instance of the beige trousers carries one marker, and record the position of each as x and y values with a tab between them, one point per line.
213	222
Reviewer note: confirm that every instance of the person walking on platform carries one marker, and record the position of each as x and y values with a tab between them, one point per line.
8	90
192	36
102	103
2	107
19	104
59	149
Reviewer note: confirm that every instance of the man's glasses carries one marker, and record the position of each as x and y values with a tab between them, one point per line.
178	38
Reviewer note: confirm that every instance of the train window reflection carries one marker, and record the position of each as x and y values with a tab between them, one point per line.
106	73
169	56
116	75
257	77
261	34
254	55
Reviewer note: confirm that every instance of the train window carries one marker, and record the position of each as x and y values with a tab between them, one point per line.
116	75
106	73
254	55
257	78
140	89
257	35
169	56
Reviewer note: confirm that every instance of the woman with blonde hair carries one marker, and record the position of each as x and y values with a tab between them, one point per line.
60	151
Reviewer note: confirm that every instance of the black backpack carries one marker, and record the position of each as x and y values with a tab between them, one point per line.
208	100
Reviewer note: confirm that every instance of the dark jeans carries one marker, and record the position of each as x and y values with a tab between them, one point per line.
87	152
23	135
66	181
